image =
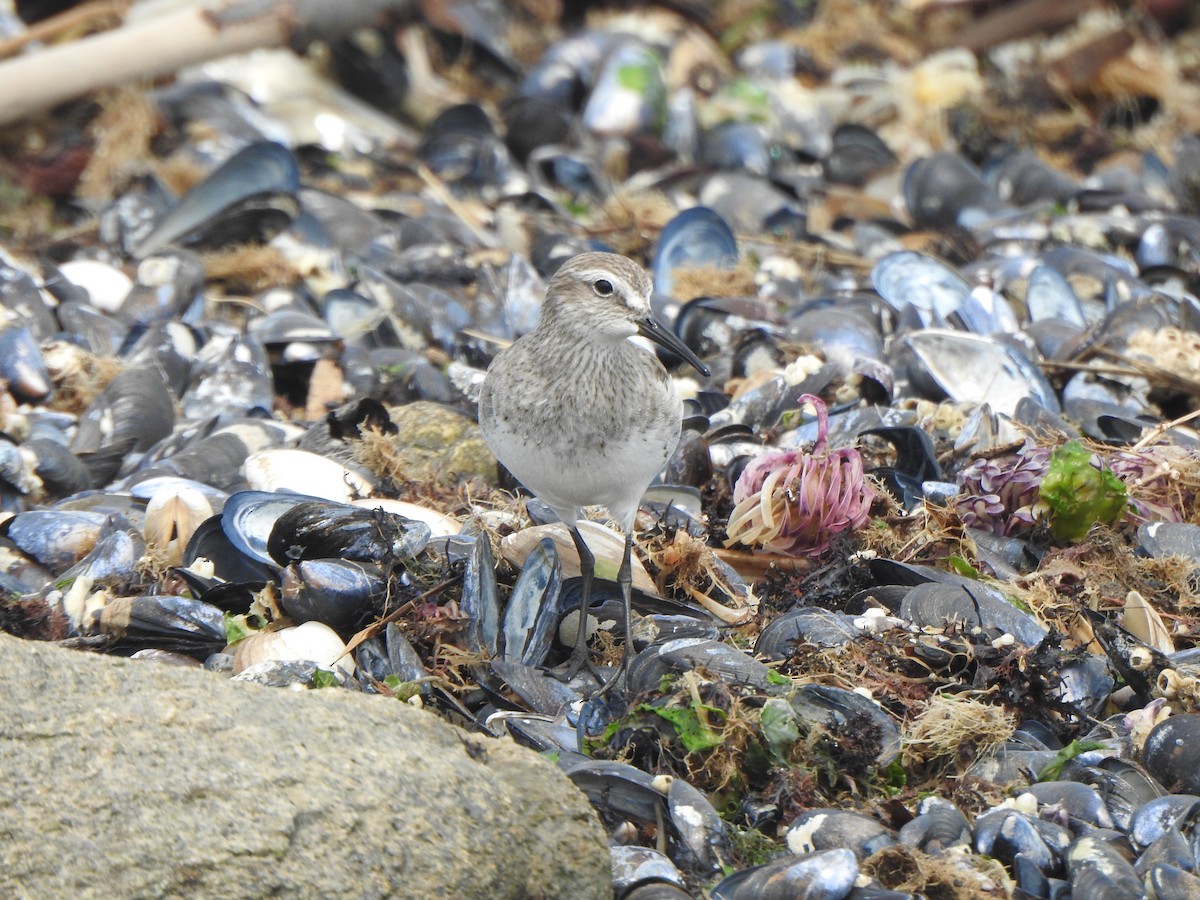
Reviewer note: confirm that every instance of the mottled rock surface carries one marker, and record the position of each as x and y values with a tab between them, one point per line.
435	443
124	778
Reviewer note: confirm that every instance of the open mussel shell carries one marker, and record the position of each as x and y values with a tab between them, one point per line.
540	692
251	197
248	519
212	464
294	336
392	655
975	606
606	545
134	411
841	710
533	607
844	330
696	237
618	790
1049	296
808	624
230	563
634	867
55	538
540	734
910	279
440	524
973	368
480	601
685	654
286	469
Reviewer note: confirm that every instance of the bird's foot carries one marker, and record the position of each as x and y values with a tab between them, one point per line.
568	671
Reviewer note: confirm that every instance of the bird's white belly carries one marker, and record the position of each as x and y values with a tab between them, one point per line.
614	476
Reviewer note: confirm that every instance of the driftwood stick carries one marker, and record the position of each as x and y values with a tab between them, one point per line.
106	13
163	43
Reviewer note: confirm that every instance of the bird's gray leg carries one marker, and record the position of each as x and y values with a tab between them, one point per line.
587	568
625	580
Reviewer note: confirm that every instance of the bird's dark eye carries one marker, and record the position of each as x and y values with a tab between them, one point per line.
603	287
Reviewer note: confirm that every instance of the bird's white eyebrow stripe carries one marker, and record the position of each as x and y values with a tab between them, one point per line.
590	275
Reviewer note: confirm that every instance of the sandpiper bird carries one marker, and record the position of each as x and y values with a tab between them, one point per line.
583	416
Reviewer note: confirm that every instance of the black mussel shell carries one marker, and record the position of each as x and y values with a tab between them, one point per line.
323	530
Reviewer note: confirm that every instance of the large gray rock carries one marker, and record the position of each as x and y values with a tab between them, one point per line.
127	778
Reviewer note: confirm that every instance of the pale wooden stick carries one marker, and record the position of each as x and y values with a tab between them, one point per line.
164	43
106	12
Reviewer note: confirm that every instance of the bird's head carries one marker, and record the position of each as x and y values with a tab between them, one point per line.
610	295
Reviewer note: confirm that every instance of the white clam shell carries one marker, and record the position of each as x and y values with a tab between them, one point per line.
107	286
312	641
298	471
440	524
607	546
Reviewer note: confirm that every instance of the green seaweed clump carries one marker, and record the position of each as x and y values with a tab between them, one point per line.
1079	494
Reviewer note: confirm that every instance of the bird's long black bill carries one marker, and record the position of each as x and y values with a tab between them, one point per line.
651	328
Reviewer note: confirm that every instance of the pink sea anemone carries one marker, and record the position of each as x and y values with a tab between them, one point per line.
792	502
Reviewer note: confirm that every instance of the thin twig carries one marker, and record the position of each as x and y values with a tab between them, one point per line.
1129	367
375	627
1088	367
1158	373
1162	428
451	203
